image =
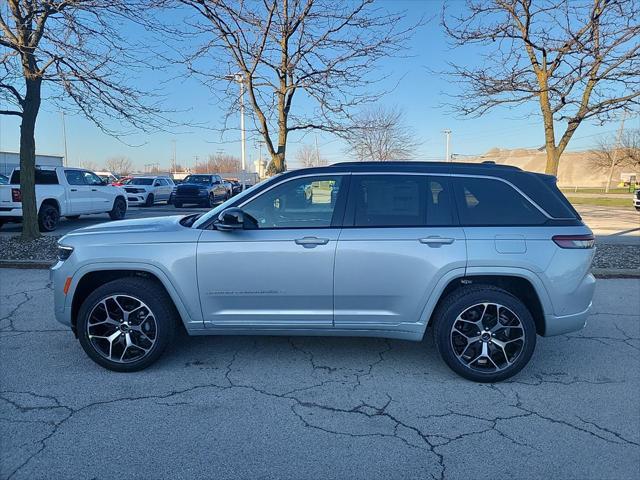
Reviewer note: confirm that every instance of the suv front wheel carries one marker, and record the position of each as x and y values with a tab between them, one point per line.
484	333
126	324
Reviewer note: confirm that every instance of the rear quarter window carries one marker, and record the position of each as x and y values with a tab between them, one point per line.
486	201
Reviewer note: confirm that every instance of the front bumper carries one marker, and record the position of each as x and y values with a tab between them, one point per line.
200	198
136	198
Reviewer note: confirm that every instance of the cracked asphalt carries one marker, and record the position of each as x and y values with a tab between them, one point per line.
310	408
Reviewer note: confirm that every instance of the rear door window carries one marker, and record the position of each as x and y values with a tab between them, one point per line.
401	201
491	202
75	177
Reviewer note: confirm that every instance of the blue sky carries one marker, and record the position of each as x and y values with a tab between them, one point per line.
418	93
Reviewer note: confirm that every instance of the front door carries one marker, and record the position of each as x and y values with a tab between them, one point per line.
399	238
102	196
80	195
280	274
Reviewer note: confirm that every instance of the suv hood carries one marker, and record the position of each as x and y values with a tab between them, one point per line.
130	227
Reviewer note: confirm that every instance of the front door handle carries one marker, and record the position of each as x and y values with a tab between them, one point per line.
94	189
74	190
437	241
311	242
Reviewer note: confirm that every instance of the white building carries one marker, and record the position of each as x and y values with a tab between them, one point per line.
11	160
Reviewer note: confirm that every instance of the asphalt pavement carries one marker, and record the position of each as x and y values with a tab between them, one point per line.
314	408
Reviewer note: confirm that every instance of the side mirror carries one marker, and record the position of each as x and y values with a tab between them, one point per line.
231	219
104	183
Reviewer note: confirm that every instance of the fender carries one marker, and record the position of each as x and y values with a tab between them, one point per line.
191	320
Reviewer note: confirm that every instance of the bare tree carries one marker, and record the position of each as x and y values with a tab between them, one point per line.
380	134
322	51
71	53
119	164
219	163
616	152
89	165
309	156
578	59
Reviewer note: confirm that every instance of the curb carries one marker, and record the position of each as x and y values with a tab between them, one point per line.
597	272
27	264
616	272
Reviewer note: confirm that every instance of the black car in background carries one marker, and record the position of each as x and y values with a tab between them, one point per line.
236	186
201	189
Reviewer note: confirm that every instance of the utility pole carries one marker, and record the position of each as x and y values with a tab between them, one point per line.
447	133
64	137
173	159
239	77
616	149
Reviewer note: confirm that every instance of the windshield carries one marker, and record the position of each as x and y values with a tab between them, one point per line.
140	181
211	213
197	179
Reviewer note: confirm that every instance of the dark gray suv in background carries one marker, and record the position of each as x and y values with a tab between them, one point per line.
489	256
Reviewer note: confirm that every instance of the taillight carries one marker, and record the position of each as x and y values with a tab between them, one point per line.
16	196
574	241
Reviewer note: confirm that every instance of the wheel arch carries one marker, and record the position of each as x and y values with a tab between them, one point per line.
51	201
522	285
92	278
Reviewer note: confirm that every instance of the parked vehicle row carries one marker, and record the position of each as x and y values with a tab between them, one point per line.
636	199
62	192
489	256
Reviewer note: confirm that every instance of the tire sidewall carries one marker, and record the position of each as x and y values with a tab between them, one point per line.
118	214
449	313
165	323
44	211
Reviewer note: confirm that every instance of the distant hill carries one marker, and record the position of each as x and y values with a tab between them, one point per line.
575	167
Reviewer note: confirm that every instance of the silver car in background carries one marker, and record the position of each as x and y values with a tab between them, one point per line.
489	256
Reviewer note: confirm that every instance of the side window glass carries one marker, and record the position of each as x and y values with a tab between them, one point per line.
485	201
91	178
390	200
300	203
74	177
439	202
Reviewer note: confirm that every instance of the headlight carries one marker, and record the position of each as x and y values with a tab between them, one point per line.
64	252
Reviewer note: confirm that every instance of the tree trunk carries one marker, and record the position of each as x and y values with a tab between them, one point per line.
30	229
277	163
553	159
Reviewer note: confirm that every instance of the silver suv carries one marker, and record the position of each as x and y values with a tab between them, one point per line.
489	256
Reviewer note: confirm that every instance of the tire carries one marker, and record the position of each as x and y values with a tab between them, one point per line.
638	209
466	357
132	295
177	204
212	201
48	217
72	217
119	209
149	201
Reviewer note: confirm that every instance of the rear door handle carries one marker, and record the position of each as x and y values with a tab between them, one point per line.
74	189
437	241
94	189
311	242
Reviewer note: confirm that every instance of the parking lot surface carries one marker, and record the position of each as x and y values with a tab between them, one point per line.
301	408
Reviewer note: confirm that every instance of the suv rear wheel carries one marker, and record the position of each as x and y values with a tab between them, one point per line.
126	324
484	333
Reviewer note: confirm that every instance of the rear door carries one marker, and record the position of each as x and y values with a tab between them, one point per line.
400	236
80	195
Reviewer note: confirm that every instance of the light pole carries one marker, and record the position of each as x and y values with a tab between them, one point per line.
447	133
64	136
239	77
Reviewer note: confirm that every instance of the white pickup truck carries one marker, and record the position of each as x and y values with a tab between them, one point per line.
62	192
